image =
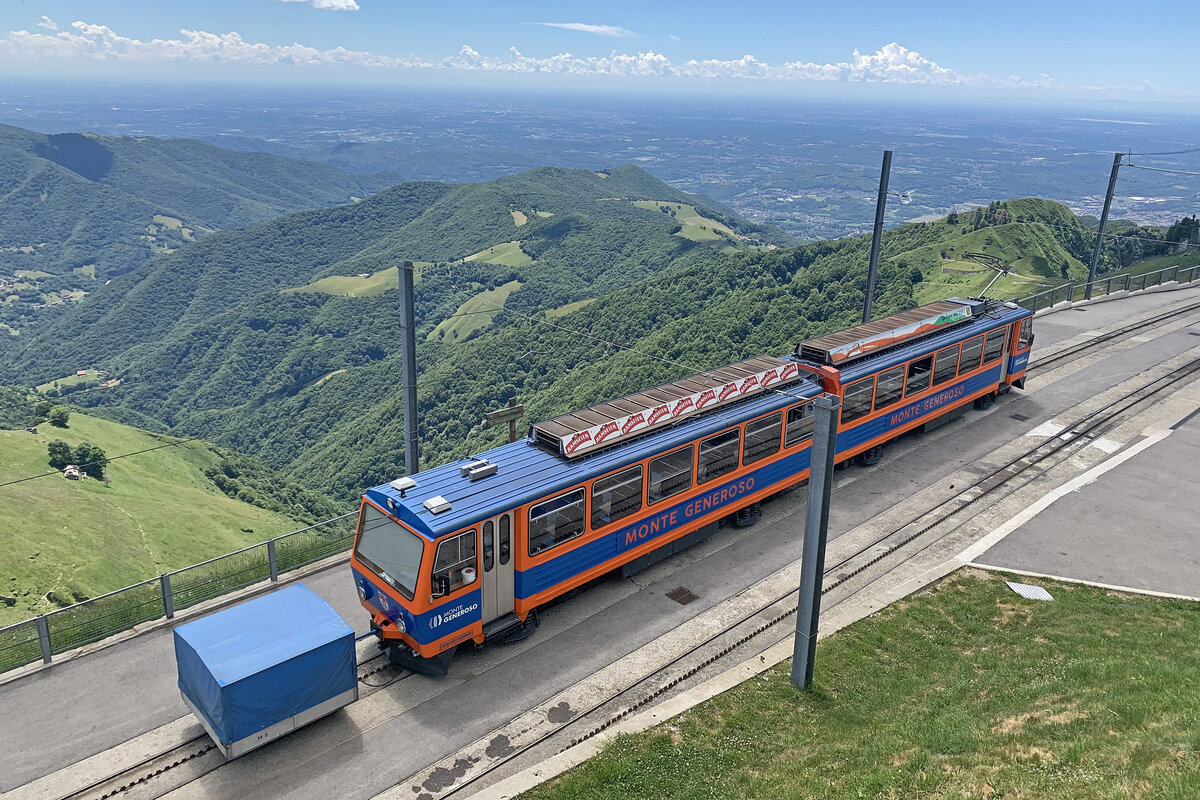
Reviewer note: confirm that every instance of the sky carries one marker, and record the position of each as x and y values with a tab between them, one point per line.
1049	49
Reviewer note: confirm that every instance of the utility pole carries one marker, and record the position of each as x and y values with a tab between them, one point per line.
816	529
1112	182
408	367
509	414
880	207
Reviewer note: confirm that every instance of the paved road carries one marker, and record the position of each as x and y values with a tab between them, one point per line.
80	708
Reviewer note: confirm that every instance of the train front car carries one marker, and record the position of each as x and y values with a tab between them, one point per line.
422	589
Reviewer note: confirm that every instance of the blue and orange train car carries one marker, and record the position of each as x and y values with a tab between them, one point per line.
468	551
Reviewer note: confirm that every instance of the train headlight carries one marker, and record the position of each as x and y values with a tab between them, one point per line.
400	626
365	590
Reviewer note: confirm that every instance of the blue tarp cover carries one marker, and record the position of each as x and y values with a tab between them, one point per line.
247	667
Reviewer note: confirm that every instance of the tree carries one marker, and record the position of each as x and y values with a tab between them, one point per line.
58	416
93	466
59	452
42	409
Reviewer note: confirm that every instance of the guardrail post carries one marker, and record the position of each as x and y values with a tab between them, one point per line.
271	561
164	582
44	638
1128	281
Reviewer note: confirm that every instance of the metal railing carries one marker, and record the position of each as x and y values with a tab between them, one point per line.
90	621
1108	284
98	618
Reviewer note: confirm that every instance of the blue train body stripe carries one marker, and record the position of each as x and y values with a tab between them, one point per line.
432	625
554	571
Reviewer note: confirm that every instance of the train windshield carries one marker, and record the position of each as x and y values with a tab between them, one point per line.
392	551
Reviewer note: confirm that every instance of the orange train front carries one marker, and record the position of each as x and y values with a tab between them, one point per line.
467	552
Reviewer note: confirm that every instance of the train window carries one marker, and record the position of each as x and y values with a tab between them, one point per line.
718	455
971	350
856	400
995	345
799	425
762	438
505	540
945	366
489	546
919	373
555	521
391	550
1026	336
616	496
670	474
889	387
456	560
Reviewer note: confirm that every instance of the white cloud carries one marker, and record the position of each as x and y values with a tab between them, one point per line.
583	27
891	64
329	5
673	37
48	23
101	43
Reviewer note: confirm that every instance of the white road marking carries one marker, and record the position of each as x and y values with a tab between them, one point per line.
1106	445
1047	429
995	537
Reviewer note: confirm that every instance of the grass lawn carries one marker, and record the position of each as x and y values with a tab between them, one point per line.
508	254
519	218
1188	258
562	311
80	538
356	286
695	227
965	690
91	376
478	312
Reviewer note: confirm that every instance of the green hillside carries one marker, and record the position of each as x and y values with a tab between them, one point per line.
68	540
211	341
77	209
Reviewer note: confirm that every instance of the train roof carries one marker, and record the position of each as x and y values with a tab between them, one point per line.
456	495
985	316
525	471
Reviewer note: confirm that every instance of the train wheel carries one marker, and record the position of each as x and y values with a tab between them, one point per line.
987	401
871	457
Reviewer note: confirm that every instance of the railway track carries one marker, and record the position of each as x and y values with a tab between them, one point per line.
1008	477
199	754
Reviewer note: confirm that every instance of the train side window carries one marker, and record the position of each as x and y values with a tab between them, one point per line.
799	425
919	373
856	400
889	387
945	365
995	345
489	546
555	521
971	350
505	540
762	438
616	497
455	555
1026	336
718	455
670	474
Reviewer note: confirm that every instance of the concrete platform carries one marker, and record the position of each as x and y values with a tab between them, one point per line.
1137	525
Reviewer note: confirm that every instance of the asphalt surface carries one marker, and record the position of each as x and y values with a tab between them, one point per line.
76	709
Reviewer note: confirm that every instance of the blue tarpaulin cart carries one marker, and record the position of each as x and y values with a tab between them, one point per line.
265	667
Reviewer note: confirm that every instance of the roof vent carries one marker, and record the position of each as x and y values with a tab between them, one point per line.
402	485
436	505
475	470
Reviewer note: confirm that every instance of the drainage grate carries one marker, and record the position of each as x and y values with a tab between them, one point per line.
682	596
1019	417
1029	592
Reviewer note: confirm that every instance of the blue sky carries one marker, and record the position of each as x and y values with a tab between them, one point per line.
1052	49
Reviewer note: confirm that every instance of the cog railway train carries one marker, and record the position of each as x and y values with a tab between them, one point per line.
468	551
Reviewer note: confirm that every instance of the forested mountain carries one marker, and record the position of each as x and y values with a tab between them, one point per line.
78	209
281	341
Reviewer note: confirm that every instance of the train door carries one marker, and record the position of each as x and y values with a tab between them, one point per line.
498	567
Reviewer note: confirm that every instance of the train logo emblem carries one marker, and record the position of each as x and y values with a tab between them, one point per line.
437	620
383	603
